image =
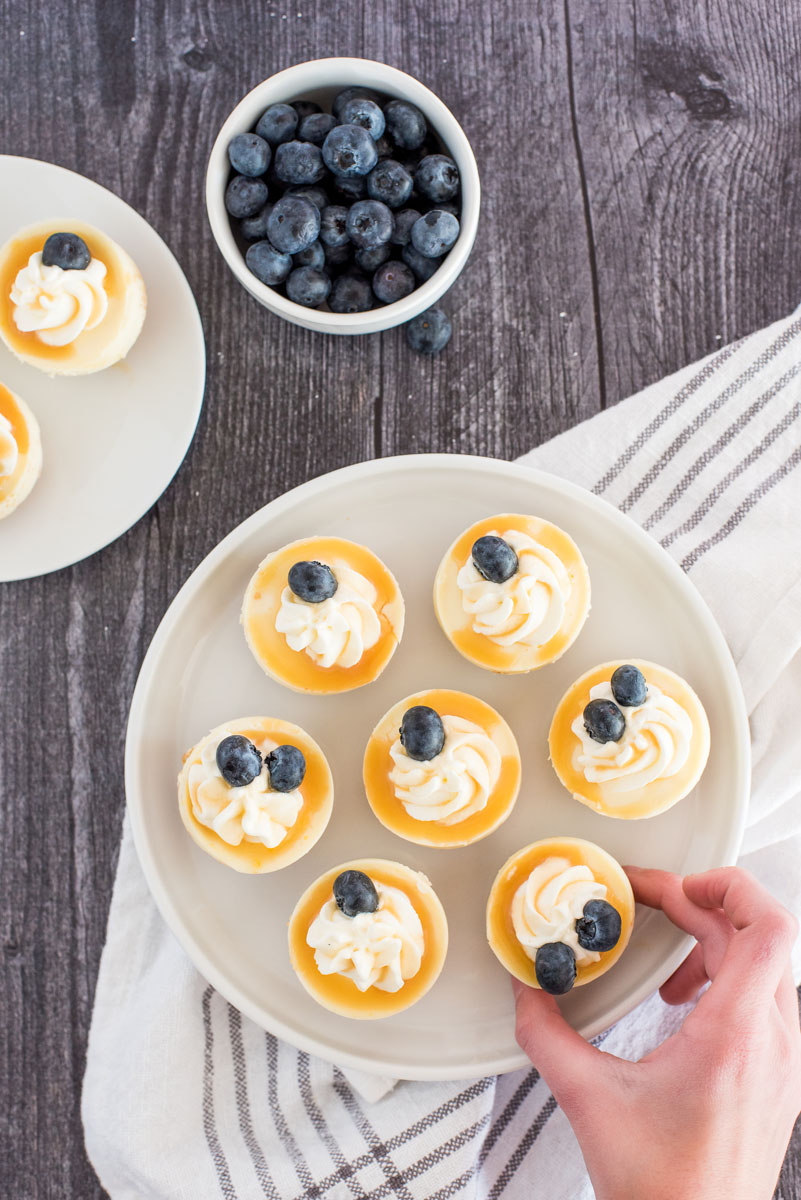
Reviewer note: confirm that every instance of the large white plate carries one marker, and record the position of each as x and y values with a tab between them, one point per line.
111	441
198	672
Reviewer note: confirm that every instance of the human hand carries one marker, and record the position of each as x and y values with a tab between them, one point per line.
710	1111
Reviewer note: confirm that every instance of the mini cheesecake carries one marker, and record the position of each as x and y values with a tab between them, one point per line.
256	794
560	913
71	300
323	615
368	938
442	768
20	451
629	739
512	593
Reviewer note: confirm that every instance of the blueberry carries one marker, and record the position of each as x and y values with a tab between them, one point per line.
385	146
293	224
338	256
437	178
66	250
312	581
268	264
450	207
286	766
238	760
403	226
435	233
555	968
316	127
349	150
334	225
422	266
494	558
278	124
422	733
354	187
350	294
369	260
406	125
355	893
351	93
429	332
628	686
299	163
599	928
389	182
308	286
370	223
249	154
254	228
244	197
604	721
364	112
312	256
393	281
316	195
305	108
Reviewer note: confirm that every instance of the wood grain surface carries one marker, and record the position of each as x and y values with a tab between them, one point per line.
642	197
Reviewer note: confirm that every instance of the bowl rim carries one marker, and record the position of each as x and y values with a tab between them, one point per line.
285	86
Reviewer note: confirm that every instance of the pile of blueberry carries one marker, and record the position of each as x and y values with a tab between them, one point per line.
240	762
603	719
598	928
353	208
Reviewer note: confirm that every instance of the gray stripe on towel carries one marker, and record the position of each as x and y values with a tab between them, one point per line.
243	1105
209	1121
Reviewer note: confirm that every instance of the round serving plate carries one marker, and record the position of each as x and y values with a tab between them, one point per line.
199	672
111	441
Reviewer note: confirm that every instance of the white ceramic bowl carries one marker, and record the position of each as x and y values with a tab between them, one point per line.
320	80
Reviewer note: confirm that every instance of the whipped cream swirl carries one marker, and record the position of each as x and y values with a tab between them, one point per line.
454	784
9	451
527	609
58	305
655	743
381	949
547	905
337	631
253	813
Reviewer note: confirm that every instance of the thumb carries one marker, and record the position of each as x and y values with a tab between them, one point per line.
568	1064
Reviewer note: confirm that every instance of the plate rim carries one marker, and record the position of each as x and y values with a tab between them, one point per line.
200	349
420	1071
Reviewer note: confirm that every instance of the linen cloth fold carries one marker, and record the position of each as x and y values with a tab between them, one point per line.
184	1098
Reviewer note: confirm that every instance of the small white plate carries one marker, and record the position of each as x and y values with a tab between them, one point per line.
198	672
111	441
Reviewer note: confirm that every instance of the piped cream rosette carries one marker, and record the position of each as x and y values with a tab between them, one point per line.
20	451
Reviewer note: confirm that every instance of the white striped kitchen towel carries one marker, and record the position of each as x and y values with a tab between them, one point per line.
184	1099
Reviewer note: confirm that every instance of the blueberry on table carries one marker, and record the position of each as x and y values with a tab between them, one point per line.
369	224
268	264
349	150
429	332
392	281
305	108
286	767
352	93
437	178
435	233
422	266
422	733
249	154
312	256
355	893
370	260
308	286
599	928
238	760
364	112
604	721
494	558
312	581
389	182
254	228
245	196
406	125
299	163
628	686
316	127
350	294
293	224
403	226
278	124
555	968
66	250
334	225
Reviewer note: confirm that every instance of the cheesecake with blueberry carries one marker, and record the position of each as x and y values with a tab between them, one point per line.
368	938
323	615
560	913
255	793
20	451
512	593
442	768
72	301
629	739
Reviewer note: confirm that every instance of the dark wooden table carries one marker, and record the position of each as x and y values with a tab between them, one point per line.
642	202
